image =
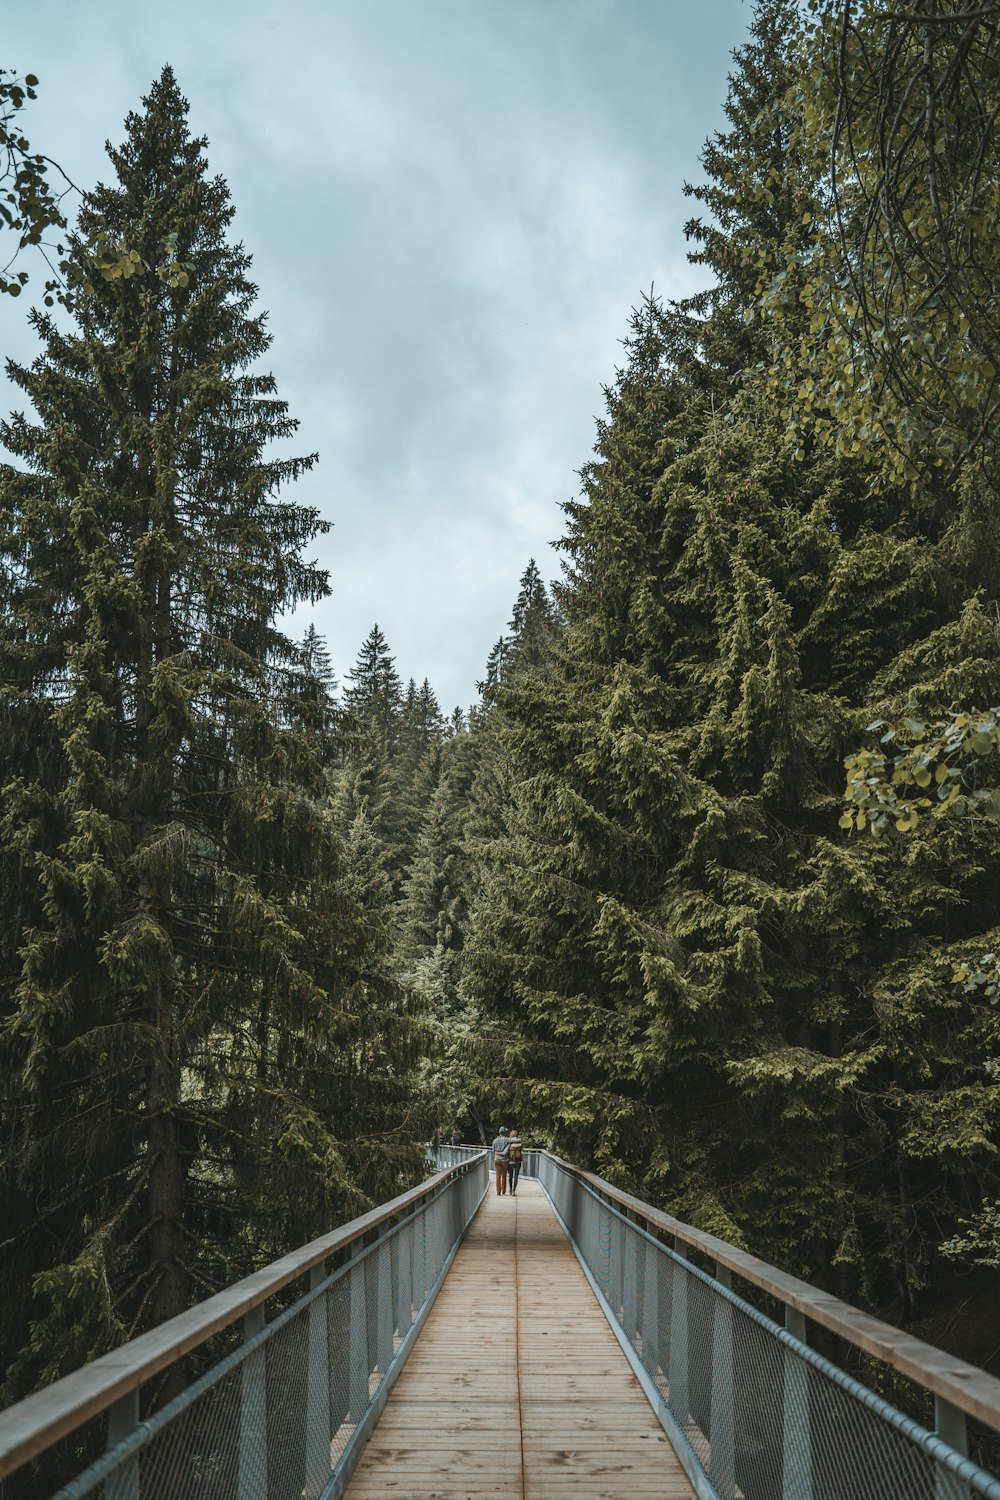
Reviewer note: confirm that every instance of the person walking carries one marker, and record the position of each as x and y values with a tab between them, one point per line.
501	1153
515	1155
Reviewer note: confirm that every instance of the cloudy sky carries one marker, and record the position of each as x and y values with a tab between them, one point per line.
452	206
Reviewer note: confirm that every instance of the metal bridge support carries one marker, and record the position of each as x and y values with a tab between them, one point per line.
395	1306
123	1419
339	1334
651	1311
797	1479
317	1393
630	1286
383	1350
358	1367
722	1432
404	1283
677	1374
950	1426
251	1483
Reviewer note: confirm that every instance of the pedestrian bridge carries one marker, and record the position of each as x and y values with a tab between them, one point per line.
567	1342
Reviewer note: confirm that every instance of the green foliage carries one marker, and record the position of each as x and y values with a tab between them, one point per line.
880	300
709	997
205	1055
29	206
979	1239
941	758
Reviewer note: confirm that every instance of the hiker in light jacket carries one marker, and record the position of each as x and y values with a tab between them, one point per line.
501	1154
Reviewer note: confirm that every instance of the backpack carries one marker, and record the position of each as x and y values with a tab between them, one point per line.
515	1149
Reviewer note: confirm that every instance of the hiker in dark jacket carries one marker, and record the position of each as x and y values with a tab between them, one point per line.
515	1155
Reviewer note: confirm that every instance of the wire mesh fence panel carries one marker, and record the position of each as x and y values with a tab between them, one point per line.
761	1416
285	1412
698	1376
285	1358
754	1413
196	1455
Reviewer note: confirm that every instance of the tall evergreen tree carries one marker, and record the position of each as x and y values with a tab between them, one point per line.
709	986
370	736
532	623
391	742
416	768
172	966
375	693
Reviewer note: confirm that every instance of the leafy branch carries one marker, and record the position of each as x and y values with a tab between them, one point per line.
938	759
29	205
30	208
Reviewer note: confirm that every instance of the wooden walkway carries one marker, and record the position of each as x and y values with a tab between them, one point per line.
516	1386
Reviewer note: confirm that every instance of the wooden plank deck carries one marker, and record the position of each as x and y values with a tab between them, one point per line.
516	1386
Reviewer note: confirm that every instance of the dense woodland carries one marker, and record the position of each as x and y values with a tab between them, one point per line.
266	933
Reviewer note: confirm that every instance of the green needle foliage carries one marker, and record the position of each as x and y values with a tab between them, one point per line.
246	917
895	261
711	994
204	1054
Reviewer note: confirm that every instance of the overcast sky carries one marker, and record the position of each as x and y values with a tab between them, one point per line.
452	206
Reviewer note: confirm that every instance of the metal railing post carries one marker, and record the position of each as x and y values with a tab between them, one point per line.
630	1283
796	1444
722	1435
651	1311
370	1276
383	1350
339	1334
123	1419
251	1481
950	1426
602	1270
395	1304
357	1376
616	1263
405	1273
420	1287
677	1373
317	1466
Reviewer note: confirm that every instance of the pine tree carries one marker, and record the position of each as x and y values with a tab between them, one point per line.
531	627
416	769
375	692
370	736
170	999
438	882
391	751
720	1002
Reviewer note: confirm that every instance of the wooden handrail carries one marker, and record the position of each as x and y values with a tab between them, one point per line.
40	1420
972	1390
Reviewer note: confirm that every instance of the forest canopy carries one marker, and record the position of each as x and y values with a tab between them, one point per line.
266	933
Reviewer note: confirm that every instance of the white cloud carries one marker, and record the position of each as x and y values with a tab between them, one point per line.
452	205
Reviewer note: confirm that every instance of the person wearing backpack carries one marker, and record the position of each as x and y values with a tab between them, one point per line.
501	1156
515	1156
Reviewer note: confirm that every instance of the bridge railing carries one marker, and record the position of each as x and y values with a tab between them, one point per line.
753	1411
285	1415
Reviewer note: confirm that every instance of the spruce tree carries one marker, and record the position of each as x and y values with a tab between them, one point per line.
174	951
370	735
416	768
721	1003
390	761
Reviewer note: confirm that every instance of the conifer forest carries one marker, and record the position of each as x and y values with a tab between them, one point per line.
704	885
